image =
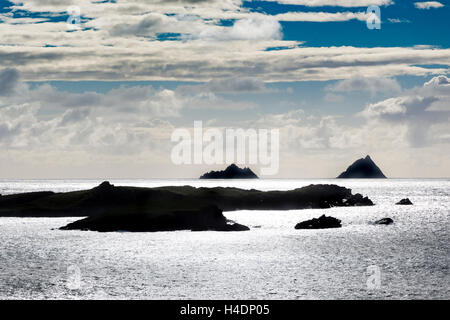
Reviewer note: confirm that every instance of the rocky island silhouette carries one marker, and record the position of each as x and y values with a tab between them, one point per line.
111	208
231	172
363	168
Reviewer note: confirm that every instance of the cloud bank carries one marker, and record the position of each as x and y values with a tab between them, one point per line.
191	41
133	125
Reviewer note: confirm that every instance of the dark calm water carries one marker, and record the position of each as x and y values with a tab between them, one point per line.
409	259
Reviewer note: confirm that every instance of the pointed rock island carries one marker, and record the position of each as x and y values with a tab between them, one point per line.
231	172
363	168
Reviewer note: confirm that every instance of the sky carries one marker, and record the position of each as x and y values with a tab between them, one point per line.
95	89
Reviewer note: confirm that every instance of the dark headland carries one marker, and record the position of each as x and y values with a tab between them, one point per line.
231	172
363	168
111	208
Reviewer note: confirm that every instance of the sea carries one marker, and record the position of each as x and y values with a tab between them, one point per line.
406	260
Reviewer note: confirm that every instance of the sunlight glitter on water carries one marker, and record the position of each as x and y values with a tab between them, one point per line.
271	261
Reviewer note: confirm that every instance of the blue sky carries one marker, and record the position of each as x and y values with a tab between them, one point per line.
133	71
418	27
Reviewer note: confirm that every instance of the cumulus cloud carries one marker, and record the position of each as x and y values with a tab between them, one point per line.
74	116
393	125
119	120
131	123
437	82
303	135
258	27
129	100
428	5
422	109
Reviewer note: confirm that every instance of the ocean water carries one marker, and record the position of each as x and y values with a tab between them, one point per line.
406	260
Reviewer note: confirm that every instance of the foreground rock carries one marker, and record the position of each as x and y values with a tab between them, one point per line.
208	218
231	172
323	222
384	221
359	200
363	168
405	202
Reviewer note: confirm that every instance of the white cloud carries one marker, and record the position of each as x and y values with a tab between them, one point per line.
438	81
389	107
206	60
391	128
257	27
117	121
119	41
398	20
336	3
428	5
321	16
132	125
422	109
373	85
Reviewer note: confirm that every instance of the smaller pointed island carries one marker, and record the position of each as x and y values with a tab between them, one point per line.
231	172
363	168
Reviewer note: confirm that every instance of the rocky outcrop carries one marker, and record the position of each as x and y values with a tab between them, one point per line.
323	222
107	198
231	172
358	200
111	208
363	168
384	221
405	202
204	219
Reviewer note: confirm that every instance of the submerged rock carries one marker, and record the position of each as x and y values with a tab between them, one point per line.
231	172
405	202
323	222
384	221
363	168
